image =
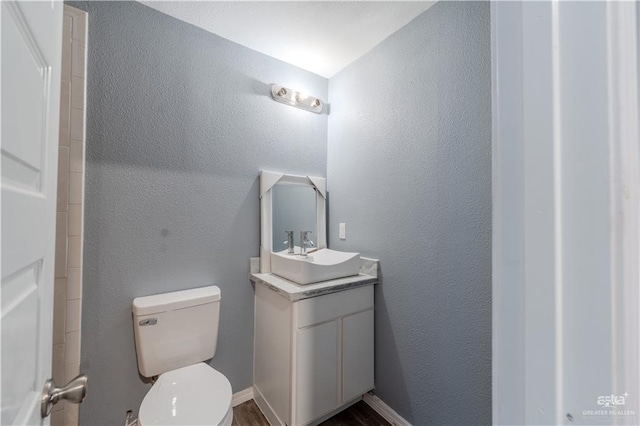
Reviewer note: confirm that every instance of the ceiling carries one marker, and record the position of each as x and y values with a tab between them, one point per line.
319	36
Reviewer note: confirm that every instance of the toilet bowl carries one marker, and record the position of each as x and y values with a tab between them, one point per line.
174	334
193	395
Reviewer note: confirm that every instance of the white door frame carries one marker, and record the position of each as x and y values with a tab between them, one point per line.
566	232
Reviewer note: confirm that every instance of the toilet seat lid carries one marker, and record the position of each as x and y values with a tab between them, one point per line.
193	395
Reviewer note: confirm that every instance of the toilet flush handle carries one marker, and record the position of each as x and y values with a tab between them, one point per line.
148	321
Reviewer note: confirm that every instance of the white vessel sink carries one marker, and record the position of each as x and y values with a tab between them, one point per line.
320	265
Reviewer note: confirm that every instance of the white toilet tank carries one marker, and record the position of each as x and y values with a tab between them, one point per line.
177	329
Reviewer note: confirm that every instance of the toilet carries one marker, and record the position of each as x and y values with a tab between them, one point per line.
174	333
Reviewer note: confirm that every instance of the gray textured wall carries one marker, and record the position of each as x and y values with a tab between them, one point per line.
409	171
180	122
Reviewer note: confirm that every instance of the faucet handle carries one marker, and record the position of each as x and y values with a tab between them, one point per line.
289	242
304	237
304	242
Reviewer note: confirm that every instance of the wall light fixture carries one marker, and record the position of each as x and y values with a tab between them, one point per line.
296	99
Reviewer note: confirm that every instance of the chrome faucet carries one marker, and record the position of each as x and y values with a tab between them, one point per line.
305	242
289	242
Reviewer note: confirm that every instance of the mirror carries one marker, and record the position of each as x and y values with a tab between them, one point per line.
294	209
290	203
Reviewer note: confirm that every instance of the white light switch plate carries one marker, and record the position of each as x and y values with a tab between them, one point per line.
343	231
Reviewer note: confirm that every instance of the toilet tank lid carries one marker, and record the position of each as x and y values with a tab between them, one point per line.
164	302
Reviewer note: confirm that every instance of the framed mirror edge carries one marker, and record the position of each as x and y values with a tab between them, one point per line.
267	180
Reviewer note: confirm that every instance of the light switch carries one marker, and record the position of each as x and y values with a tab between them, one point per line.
343	231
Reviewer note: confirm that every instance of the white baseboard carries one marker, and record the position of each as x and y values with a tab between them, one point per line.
242	396
384	410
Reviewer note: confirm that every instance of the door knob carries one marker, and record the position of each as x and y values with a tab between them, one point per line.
75	391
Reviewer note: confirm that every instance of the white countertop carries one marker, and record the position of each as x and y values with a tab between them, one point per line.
293	292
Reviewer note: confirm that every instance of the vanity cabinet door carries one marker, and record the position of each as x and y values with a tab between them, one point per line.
317	371
357	355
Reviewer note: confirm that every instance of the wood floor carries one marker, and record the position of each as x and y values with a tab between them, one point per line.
359	414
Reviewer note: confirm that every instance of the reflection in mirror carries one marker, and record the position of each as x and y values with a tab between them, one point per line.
294	209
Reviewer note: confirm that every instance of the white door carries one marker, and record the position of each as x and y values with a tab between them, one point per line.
566	221
31	58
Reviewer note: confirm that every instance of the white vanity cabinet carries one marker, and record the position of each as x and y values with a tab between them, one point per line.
313	356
